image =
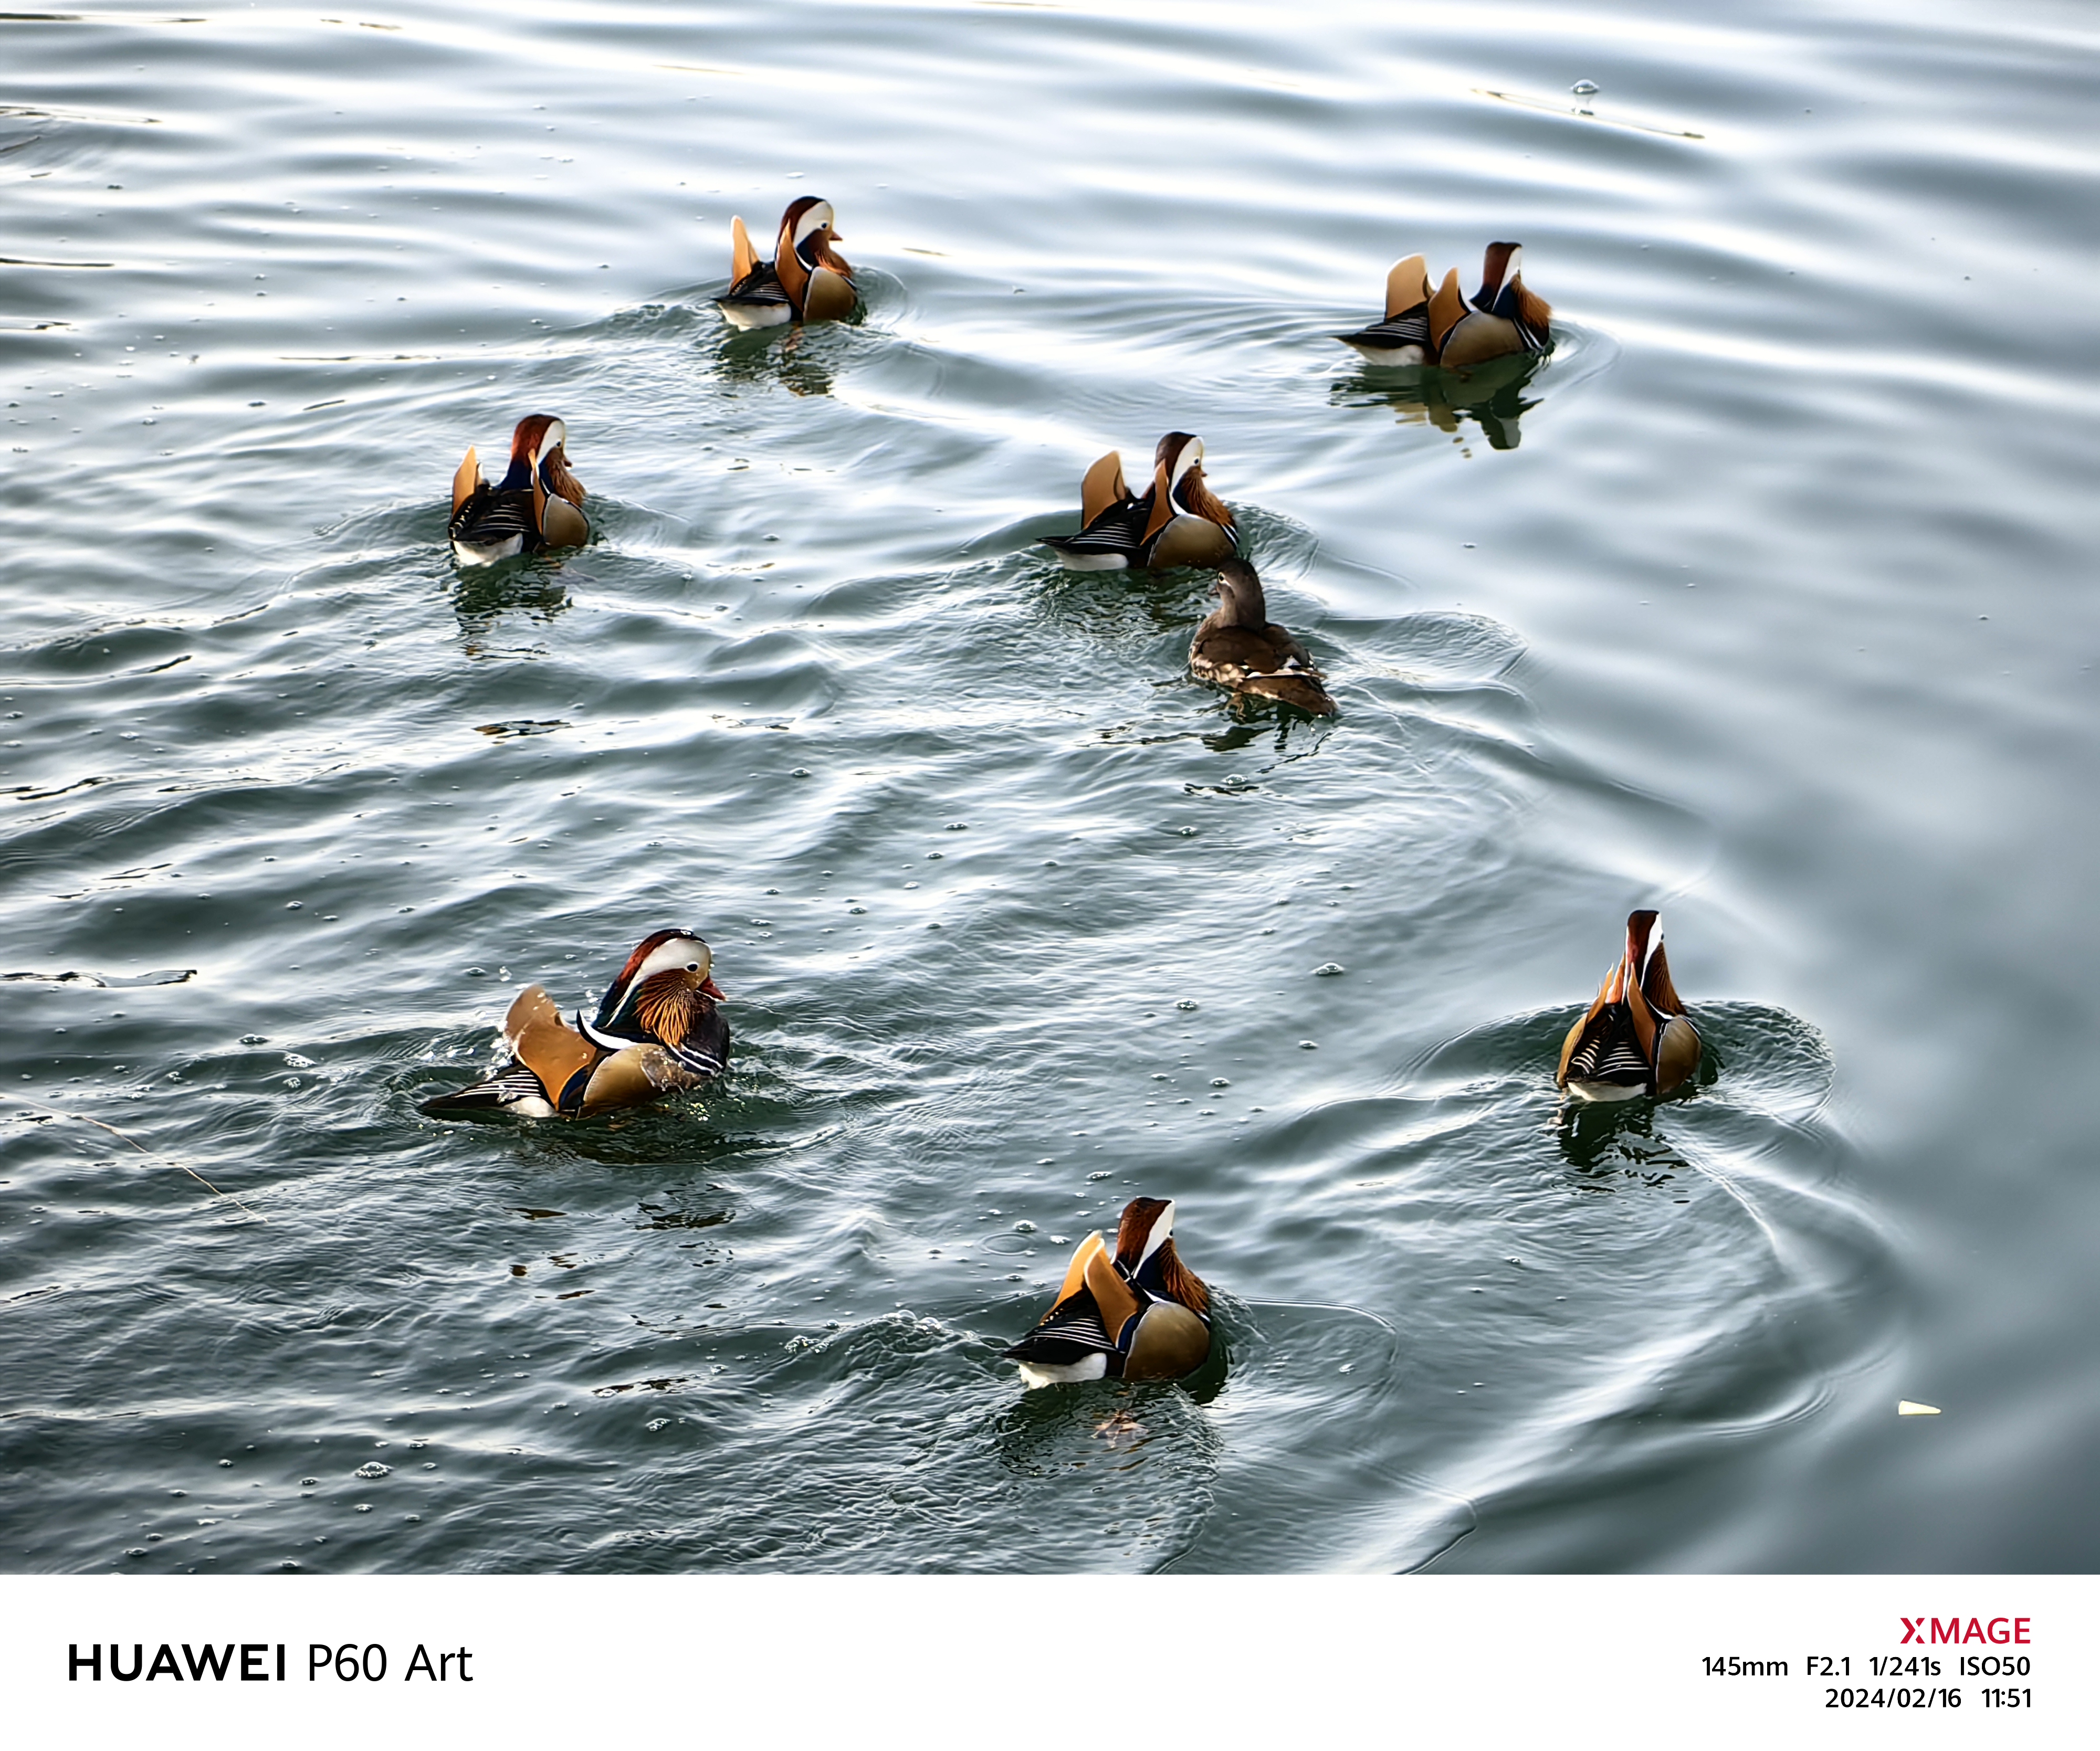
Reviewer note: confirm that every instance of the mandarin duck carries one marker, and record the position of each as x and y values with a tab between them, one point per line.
1239	647
1178	521
807	280
1439	328
657	1031
1138	1313
1635	1038
534	507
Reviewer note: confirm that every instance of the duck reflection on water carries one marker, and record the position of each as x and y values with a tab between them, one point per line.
798	360
481	595
1492	395
1607	1146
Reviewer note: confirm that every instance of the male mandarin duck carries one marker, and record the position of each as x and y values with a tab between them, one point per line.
1439	328
1240	647
1178	521
807	280
1634	1038
535	506
657	1031
1137	1314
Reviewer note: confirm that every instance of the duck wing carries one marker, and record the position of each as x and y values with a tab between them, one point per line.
757	293
492	524
1113	539
514	1088
548	1059
1395	334
1604	1046
1269	663
1069	1333
465	477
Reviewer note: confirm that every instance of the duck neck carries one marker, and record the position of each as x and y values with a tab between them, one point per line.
1243	604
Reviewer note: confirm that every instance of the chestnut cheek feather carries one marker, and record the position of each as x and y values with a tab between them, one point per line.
664	1006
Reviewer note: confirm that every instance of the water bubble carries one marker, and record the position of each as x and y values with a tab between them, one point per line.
655	1424
857	911
1329	971
1102	1174
224	1463
293	905
294	1060
1309	1045
799	772
255	1039
1024	1228
1188	832
1584	88
1188	1002
1221	1082
310	1483
372	1468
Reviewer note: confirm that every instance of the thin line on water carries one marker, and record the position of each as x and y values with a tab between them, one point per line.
150	1155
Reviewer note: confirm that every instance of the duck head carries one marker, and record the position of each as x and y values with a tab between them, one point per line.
1145	1252
808	229
661	992
538	460
549	458
1503	293
1239	588
1178	486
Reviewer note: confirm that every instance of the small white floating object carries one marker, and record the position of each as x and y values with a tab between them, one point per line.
1910	1407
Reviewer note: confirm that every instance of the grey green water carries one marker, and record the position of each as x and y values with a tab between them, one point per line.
1766	601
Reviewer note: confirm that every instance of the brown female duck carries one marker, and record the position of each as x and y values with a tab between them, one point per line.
1241	648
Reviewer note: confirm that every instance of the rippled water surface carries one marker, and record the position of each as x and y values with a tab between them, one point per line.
1765	600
